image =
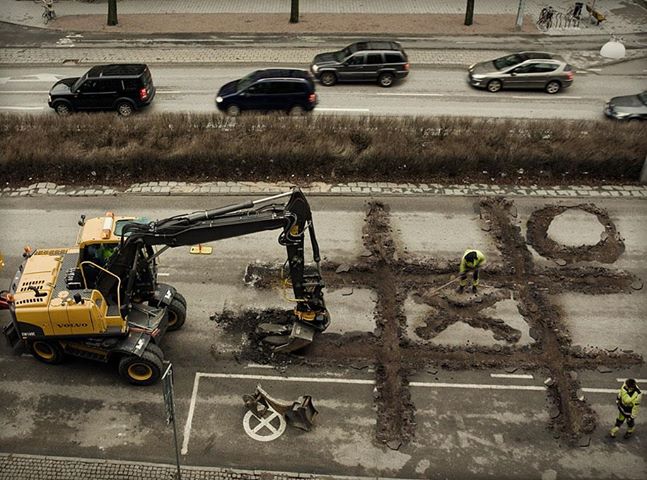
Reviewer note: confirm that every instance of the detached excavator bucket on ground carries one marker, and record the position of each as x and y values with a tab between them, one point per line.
286	339
299	414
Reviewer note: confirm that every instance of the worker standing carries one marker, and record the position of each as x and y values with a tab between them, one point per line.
628	401
471	262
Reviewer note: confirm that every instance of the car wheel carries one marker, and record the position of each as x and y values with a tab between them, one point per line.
46	352
233	110
62	108
494	86
553	87
297	111
328	79
125	109
386	80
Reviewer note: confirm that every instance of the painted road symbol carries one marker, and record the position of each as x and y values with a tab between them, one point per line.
264	429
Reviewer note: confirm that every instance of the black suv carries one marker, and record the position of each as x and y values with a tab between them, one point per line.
121	87
286	89
381	61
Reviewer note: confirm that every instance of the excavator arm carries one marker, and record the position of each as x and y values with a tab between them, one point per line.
134	260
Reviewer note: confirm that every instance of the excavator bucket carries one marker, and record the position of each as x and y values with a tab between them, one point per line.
300	336
300	414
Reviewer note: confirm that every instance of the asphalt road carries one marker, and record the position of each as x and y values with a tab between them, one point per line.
468	424
428	91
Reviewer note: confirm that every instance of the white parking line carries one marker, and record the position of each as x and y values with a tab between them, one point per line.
352	381
510	375
639	380
22	108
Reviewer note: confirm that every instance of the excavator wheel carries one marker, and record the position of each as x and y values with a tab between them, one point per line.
46	352
155	349
176	313
181	298
144	370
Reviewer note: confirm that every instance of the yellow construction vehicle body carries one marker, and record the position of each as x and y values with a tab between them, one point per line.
44	306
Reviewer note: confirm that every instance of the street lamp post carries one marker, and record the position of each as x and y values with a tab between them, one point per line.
519	16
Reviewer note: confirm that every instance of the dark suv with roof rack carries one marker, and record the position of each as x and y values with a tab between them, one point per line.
288	89
372	61
121	87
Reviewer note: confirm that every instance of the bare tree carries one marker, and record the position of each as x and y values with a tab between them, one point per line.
469	13
294	11
112	12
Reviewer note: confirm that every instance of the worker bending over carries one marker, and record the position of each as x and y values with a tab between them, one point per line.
628	401
471	261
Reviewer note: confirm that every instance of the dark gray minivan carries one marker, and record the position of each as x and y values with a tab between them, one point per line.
288	89
371	61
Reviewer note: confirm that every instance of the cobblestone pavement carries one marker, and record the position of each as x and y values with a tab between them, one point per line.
352	188
35	467
78	56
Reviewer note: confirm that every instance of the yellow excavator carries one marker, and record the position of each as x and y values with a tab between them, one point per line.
101	299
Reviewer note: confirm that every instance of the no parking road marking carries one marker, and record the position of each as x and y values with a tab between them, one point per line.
350	381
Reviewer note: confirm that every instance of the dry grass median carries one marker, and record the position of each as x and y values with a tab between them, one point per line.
104	149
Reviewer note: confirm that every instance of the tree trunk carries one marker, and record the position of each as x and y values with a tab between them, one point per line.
294	11
469	13
112	12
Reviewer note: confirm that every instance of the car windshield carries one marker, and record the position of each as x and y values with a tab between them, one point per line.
643	97
345	53
79	82
508	61
245	82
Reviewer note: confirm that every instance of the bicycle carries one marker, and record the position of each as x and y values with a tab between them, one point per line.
48	11
546	17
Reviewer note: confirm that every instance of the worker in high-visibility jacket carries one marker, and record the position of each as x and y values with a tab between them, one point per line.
471	262
628	401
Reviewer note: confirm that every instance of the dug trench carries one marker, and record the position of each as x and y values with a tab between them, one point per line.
394	276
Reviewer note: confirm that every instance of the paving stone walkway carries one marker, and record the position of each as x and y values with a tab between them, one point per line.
36	467
338	189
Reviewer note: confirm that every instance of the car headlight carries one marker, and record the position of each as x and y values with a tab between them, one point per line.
315	68
218	99
471	67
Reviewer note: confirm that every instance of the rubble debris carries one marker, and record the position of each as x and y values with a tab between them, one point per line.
549	382
603	369
394	444
343	268
585	441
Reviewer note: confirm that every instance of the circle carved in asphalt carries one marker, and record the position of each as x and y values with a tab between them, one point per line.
264	429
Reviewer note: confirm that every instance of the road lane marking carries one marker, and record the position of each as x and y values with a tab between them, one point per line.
545	98
258	365
24	91
352	381
510	375
412	94
22	108
638	380
342	109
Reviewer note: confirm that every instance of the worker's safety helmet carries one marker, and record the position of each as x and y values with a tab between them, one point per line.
471	256
631	383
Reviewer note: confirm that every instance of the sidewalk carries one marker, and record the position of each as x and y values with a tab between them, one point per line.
420	17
